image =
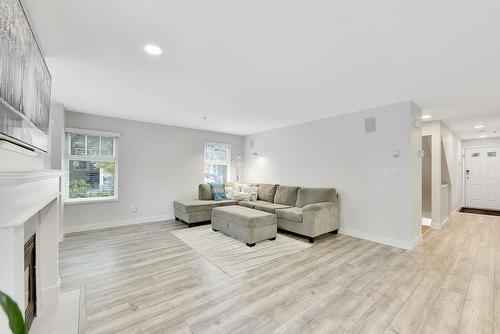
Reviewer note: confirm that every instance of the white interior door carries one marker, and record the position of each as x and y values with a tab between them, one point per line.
482	178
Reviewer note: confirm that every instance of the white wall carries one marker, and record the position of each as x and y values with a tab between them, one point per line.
335	152
453	153
415	181
482	142
433	129
56	138
157	165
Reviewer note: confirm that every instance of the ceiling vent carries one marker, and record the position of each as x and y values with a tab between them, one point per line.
370	125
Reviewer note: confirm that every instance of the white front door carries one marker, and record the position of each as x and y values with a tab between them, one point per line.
482	178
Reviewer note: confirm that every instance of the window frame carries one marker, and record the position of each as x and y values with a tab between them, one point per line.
90	158
217	162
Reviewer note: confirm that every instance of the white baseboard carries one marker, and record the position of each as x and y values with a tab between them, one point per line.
457	210
439	226
116	223
416	242
382	240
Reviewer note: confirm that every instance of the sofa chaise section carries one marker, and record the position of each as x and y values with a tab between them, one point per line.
193	211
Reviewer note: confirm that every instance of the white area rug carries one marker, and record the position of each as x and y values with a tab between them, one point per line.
235	257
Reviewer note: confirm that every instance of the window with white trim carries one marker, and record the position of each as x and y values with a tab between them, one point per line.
217	162
91	162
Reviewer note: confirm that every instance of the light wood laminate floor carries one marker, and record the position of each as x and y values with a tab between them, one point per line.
142	279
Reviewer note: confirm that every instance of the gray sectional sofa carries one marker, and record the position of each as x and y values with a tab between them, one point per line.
195	211
308	212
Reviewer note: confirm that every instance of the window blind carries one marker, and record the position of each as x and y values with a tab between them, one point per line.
91	165
217	162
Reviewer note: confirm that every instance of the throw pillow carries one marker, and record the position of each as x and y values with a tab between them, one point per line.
237	186
205	192
253	191
267	192
239	196
244	188
218	191
229	192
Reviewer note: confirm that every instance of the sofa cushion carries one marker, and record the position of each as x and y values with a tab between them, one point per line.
205	192
293	214
251	204
196	205
218	191
243	216
315	195
267	192
286	195
270	207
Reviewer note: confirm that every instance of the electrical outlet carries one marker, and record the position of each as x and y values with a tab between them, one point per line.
133	209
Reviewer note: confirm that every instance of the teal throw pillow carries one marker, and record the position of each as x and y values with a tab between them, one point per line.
218	191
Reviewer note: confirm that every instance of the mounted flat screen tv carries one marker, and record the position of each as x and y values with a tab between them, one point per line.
25	81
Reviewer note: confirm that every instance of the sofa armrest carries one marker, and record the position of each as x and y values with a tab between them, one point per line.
321	218
317	206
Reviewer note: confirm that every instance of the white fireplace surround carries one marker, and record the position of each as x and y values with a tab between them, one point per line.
29	203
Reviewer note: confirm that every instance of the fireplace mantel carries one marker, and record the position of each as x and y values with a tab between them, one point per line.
30	196
22	194
26	176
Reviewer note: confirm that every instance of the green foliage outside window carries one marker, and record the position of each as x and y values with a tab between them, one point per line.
78	189
108	167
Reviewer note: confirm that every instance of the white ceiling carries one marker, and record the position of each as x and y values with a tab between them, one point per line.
250	66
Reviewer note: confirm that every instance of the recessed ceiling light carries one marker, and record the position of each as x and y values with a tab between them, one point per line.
426	116
482	136
152	49
478	126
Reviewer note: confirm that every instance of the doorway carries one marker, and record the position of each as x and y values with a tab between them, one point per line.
427	181
482	178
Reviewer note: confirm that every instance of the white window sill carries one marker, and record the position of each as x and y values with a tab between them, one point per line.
90	201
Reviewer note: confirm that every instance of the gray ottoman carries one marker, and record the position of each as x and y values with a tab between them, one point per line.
244	224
